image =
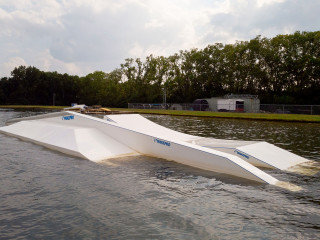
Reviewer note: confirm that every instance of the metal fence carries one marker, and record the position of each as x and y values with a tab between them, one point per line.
290	109
264	108
169	106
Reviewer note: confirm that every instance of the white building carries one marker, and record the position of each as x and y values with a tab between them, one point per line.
235	103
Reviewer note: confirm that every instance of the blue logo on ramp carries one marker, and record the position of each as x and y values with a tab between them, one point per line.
162	142
242	154
68	117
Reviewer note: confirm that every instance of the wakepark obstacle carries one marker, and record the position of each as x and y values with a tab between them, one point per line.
131	134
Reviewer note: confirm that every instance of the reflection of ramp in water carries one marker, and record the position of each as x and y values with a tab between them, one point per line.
309	168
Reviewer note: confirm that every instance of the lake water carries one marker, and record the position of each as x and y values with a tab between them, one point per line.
49	195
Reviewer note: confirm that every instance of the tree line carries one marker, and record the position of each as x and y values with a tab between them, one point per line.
284	69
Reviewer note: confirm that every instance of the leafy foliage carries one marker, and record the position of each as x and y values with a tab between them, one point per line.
284	69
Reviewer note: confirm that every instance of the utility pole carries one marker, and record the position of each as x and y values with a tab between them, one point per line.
164	97
53	99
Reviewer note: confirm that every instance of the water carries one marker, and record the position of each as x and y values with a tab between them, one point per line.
48	195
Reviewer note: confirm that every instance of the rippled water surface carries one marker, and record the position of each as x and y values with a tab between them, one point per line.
49	195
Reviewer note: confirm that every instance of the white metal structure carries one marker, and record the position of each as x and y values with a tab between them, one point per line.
122	135
228	104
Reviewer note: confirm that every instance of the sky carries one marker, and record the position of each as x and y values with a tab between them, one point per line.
79	37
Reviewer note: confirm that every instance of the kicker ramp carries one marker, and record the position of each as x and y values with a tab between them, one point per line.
80	141
260	154
93	138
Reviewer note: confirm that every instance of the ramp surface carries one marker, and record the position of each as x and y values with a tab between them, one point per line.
261	154
84	142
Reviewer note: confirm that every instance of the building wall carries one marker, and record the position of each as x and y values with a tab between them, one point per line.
213	104
251	105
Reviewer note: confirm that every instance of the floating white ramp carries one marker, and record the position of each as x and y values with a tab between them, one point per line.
121	135
258	153
81	141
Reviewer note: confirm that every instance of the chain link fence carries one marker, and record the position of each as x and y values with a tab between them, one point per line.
290	109
264	108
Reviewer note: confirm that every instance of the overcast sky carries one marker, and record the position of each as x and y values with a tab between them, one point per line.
82	36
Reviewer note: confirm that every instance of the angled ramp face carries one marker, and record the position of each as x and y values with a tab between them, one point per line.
141	124
269	155
212	160
260	154
152	139
82	142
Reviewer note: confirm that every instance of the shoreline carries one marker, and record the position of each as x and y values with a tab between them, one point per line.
300	118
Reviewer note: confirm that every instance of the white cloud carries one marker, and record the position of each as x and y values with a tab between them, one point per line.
47	62
81	36
154	23
262	3
137	50
12	63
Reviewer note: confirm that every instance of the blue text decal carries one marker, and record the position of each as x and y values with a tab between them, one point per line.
162	142
242	154
68	117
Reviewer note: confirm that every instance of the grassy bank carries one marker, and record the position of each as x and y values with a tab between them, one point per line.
248	116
